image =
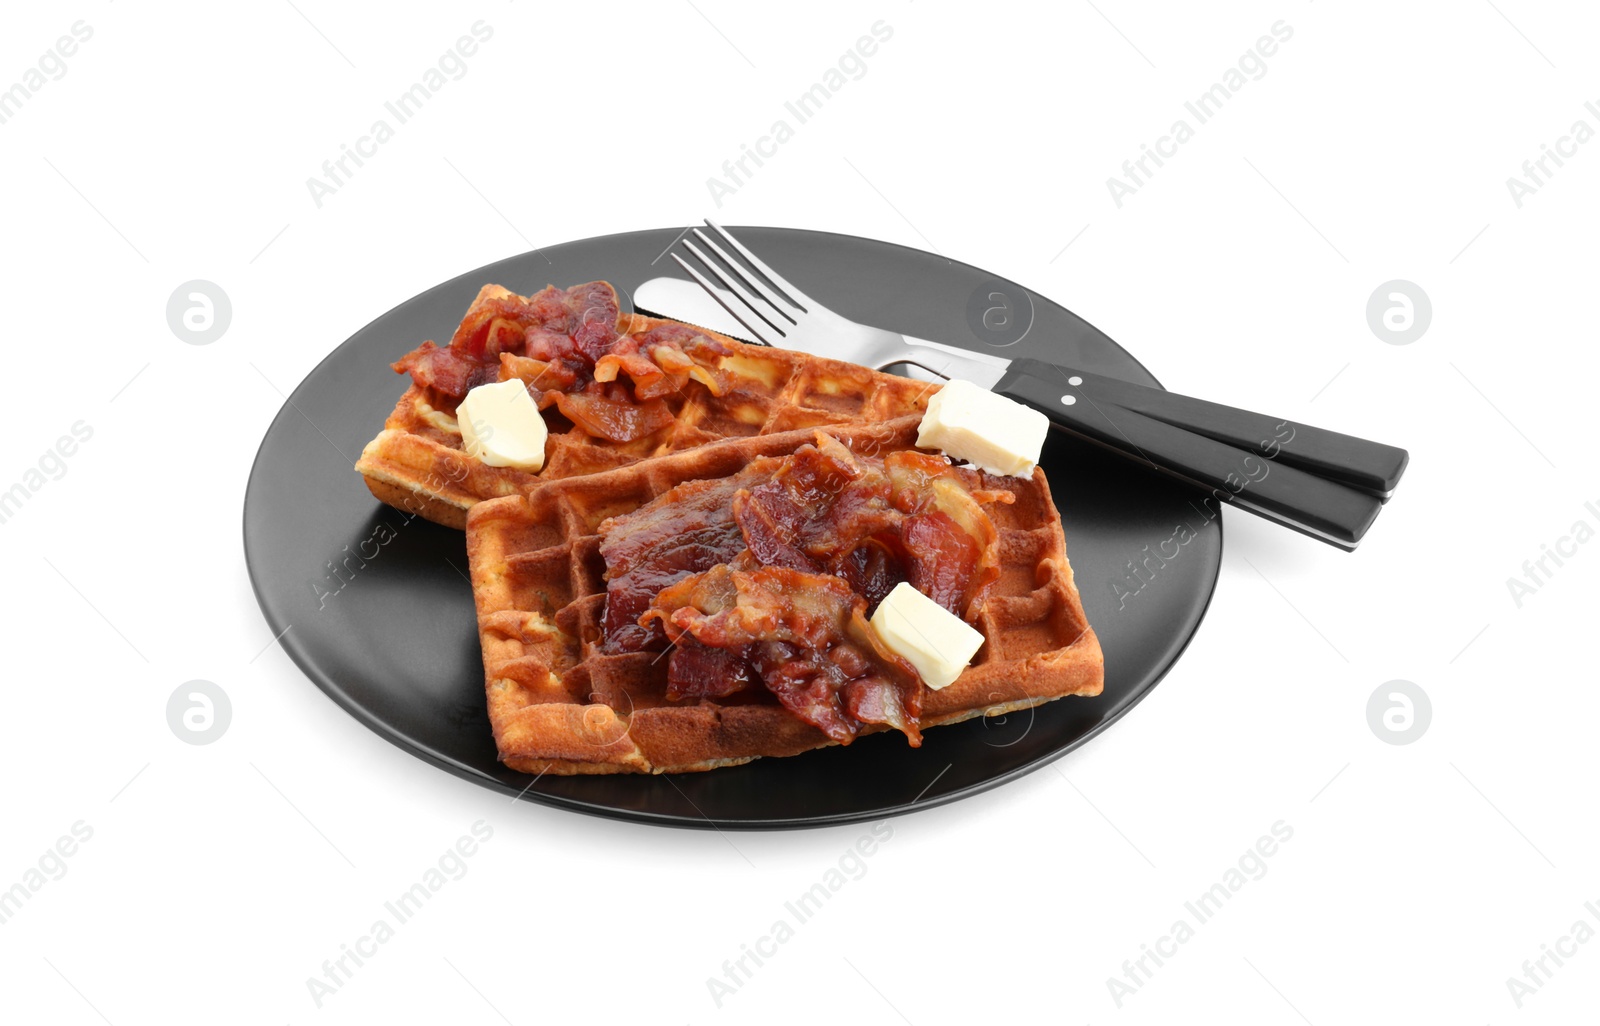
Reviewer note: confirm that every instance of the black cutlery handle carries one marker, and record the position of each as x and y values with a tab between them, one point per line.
1258	481
1371	467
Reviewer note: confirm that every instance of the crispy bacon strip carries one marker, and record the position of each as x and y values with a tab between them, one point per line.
565	346
777	567
683	531
611	414
804	635
663	359
558	325
910	511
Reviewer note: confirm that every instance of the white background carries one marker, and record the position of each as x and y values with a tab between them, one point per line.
1377	146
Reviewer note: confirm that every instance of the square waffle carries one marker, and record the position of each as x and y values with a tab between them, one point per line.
417	463
558	704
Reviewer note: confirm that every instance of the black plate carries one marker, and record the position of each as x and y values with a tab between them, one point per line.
382	614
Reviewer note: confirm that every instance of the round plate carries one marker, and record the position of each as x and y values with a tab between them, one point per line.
379	614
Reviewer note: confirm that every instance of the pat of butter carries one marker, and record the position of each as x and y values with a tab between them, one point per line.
989	431
936	641
501	426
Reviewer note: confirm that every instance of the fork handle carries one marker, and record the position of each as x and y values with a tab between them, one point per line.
1254	476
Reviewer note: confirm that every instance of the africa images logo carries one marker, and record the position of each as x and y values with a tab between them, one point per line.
1538	571
1251	866
451	67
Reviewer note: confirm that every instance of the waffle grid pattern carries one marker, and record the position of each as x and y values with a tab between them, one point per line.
559	704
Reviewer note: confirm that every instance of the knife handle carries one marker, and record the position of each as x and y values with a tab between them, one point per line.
1366	466
1252	476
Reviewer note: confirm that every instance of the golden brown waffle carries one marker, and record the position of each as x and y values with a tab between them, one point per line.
560	705
417	463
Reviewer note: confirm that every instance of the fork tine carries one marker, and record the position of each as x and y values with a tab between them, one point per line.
775	319
751	280
794	295
743	317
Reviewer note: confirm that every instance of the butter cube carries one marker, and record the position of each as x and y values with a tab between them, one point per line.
501	426
989	431
936	641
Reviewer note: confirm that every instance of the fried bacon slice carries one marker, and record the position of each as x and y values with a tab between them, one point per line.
611	413
804	635
875	523
684	530
564	345
766	578
557	325
663	359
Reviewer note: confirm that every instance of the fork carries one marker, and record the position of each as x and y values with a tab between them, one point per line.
1328	485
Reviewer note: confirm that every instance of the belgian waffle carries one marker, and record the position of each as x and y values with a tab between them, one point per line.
558	704
417	463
